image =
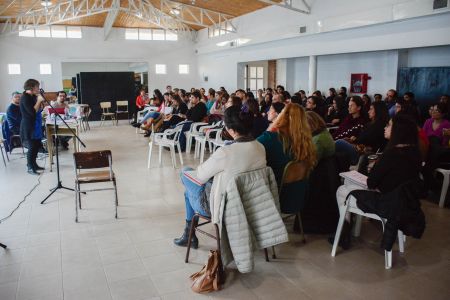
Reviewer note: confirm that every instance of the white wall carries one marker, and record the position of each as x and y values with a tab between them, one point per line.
30	52
70	69
429	57
409	34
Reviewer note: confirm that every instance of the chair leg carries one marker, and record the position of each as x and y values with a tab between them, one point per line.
160	155
196	149
179	152
274	256
266	254
115	192
401	241
357	227
79	196
3	156
150	148
444	189
342	212
387	259
188	143
76	202
173	157
191	232
300	223
202	151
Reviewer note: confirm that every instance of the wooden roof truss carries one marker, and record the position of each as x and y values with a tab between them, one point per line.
171	15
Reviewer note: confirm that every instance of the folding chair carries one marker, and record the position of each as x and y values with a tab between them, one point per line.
122	108
106	106
93	160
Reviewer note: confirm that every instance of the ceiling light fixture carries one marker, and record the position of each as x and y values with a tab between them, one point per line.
175	11
46	3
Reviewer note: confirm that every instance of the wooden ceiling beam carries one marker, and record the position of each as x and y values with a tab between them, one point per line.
6	6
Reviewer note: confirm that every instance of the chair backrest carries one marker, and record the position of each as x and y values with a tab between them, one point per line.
123	103
293	171
293	187
178	130
105	106
93	159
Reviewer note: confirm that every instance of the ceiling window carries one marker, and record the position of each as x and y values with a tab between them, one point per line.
170	36
220	29
55	31
183	69
145	34
45	69
27	33
131	34
43	32
160	69
59	32
74	32
158	35
14	69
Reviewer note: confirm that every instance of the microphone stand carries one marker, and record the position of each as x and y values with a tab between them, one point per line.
57	115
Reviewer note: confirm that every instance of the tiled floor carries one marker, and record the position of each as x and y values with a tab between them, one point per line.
50	256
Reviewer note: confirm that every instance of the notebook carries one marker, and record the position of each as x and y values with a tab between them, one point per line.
60	111
356	178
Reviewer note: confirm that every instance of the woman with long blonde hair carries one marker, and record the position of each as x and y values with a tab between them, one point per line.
289	139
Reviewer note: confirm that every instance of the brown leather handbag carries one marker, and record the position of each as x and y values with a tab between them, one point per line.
210	277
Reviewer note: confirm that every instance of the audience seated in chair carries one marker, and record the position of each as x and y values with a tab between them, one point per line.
291	141
245	154
12	125
60	102
196	113
370	139
399	164
354	122
336	112
322	139
179	110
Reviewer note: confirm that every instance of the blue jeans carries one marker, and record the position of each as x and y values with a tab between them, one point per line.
192	196
342	146
150	114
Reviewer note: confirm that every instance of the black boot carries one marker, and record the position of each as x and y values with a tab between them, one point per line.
346	236
183	240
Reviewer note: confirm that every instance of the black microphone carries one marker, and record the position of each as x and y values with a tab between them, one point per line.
42	92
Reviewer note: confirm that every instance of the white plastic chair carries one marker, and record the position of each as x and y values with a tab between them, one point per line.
193	131
200	143
446	174
218	141
163	140
350	206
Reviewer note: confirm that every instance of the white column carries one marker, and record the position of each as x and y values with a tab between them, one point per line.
312	83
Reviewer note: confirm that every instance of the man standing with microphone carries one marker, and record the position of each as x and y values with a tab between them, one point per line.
31	124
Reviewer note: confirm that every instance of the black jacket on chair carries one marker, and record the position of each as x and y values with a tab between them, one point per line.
401	208
321	213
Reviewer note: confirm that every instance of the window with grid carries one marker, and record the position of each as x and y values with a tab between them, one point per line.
45	69
254	78
183	69
160	69
14	69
